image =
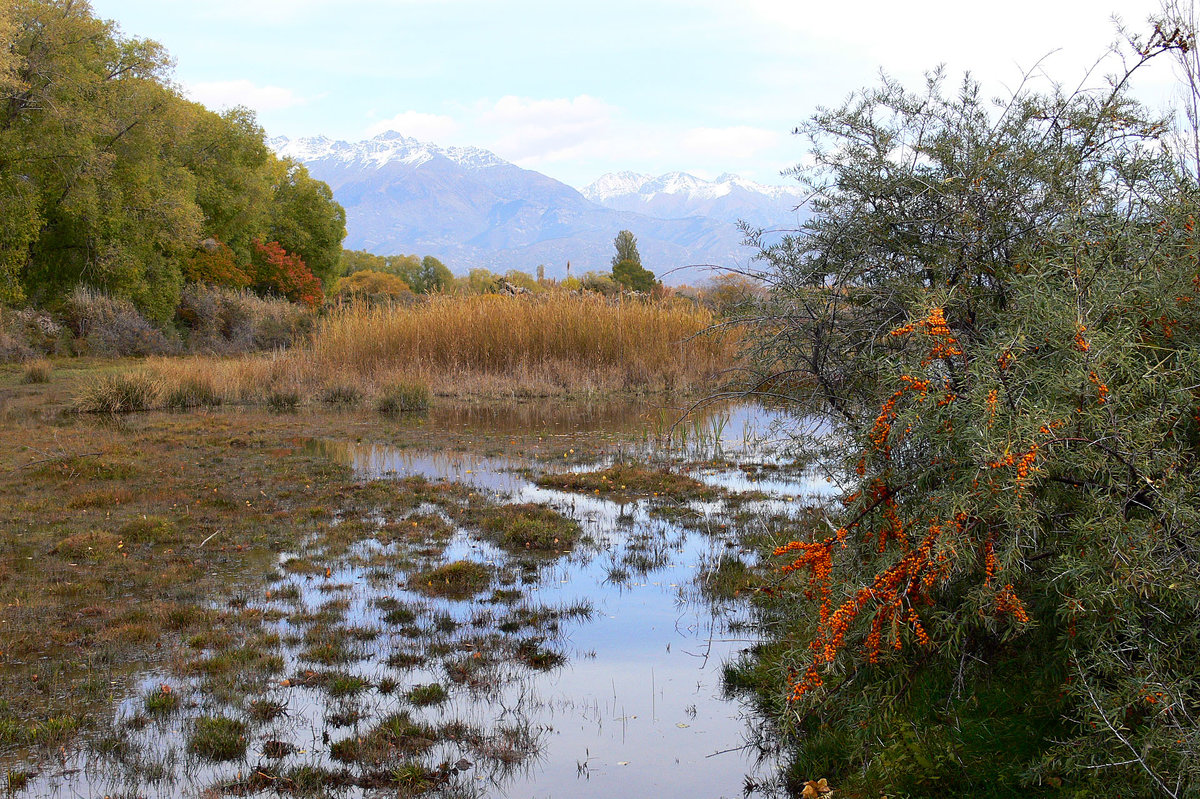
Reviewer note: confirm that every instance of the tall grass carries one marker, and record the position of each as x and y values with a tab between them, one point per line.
498	335
483	345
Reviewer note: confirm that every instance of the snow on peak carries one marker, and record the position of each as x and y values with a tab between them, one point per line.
615	184
388	147
681	185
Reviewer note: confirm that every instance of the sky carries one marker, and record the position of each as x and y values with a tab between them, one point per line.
576	88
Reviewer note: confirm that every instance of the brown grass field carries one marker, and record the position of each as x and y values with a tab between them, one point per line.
486	346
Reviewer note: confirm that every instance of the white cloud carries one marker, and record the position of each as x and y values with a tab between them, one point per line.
435	128
224	94
528	130
732	143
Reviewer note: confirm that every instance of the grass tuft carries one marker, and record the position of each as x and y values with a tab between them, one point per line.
196	391
403	398
431	694
341	394
162	701
119	393
283	400
38	371
461	579
218	738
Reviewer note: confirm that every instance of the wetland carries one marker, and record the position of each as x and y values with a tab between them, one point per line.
486	599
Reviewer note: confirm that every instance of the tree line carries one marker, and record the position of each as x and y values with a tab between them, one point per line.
392	277
110	179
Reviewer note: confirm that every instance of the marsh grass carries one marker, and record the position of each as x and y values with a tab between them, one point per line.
161	701
623	482
526	526
193	392
403	397
283	400
122	392
424	695
218	738
461	579
346	394
480	346
37	371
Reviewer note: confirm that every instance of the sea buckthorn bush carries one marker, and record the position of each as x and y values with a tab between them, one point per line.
995	307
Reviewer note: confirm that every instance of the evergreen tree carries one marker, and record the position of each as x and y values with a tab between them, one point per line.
626	246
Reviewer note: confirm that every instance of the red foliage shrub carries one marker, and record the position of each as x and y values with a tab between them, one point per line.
278	272
213	263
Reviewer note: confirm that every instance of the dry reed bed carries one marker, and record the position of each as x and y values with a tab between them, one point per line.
480	345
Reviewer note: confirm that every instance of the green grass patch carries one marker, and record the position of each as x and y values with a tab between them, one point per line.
397	734
431	694
461	579
526	526
218	738
403	398
161	702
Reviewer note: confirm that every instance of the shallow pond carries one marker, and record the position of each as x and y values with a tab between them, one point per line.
594	670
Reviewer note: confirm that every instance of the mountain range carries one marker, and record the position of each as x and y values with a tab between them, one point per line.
471	208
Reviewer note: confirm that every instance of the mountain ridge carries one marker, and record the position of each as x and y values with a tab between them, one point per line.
471	208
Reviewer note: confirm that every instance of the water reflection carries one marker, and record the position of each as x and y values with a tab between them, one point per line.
593	673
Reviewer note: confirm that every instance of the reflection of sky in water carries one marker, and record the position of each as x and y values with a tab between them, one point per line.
636	710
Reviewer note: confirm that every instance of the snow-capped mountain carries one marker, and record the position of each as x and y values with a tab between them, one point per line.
471	208
386	147
676	195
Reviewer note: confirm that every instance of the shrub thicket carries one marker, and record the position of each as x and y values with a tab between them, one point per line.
997	310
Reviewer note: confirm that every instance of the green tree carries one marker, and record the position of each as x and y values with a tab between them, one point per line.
523	280
109	179
481	281
306	220
633	276
233	170
92	129
353	261
435	276
626	246
996	311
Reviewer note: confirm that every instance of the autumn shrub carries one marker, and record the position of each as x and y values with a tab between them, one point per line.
229	321
280	273
112	326
214	263
374	288
996	310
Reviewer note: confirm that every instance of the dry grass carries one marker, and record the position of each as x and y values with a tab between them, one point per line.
37	371
482	345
